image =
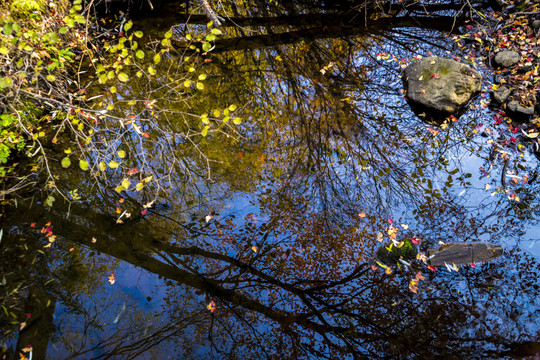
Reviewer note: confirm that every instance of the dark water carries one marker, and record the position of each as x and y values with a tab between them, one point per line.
255	240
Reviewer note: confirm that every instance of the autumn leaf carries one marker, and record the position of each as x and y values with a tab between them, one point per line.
362	214
388	270
374	267
415	240
211	306
254	248
432	268
473	265
112	279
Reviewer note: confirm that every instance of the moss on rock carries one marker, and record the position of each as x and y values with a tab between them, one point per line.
391	254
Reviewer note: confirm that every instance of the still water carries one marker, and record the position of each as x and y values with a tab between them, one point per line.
254	240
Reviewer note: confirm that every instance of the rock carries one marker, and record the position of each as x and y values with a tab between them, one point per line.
516	109
506	58
501	94
536	25
464	253
390	255
441	84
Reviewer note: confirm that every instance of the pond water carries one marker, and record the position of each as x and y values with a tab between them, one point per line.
254	240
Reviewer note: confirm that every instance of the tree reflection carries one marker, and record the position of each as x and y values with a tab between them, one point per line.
292	278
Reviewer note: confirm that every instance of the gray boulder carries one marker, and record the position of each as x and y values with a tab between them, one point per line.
441	84
501	94
506	58
516	108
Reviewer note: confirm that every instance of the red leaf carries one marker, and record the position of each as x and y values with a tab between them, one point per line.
390	221
432	268
473	265
144	212
133	171
414	240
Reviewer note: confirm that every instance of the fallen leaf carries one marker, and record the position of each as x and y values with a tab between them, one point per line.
112	279
94	240
211	306
388	270
362	214
415	240
374	267
432	268
473	265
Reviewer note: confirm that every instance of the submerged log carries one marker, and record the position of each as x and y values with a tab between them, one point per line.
464	253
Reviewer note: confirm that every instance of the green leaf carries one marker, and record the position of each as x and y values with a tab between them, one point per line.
139	54
63	30
4	50
83	164
138	34
237	121
139	186
102	166
157	58
65	162
202	77
151	70
49	201
187	83
5	82
200	86
113	164
121	154
123	77
119	188
128	25
204	131
168	34
206	46
210	37
216	32
232	107
50	78
204	119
